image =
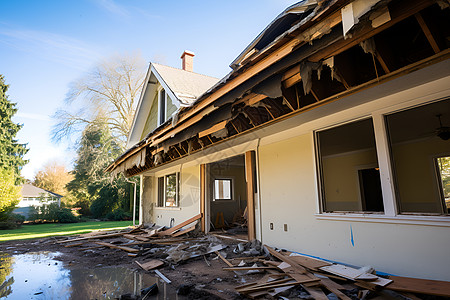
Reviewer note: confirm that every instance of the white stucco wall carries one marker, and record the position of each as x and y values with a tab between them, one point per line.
289	196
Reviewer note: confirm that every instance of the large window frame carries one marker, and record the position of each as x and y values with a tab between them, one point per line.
163	190
392	212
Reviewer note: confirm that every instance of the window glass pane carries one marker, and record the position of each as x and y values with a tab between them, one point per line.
349	168
171	190
222	189
417	138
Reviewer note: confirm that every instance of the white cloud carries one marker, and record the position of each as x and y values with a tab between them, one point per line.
113	8
54	47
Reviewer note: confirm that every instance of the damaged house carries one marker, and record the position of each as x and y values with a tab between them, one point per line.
331	135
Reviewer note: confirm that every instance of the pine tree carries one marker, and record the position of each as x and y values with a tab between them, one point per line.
11	152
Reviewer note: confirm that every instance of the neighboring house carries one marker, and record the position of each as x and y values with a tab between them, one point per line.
34	196
332	131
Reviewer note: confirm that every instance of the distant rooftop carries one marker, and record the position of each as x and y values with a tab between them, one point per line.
29	190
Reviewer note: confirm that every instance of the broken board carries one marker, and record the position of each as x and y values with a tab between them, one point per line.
150	265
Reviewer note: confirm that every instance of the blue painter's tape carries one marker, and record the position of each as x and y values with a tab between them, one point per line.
351	236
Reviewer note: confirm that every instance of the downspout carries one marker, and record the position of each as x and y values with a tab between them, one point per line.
259	189
134	200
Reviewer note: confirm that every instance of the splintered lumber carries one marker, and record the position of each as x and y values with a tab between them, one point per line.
224	259
181	232
112	246
135	237
334	288
309	262
103	236
149	265
287	260
420	286
316	293
179	226
269	286
246	268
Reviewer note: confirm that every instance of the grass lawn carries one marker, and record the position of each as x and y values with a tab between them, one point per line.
44	230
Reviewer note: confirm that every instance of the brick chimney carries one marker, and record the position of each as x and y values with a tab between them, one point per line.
187	59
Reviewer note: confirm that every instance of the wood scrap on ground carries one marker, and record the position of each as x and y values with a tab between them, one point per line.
150	265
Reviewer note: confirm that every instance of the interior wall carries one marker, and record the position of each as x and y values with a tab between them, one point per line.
289	196
239	193
341	181
416	176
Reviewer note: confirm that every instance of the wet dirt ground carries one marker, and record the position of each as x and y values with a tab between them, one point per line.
196	278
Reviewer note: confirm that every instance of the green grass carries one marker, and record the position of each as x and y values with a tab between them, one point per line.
45	230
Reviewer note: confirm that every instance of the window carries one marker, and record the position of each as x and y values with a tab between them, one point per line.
162	107
222	189
420	154
168	190
443	172
350	179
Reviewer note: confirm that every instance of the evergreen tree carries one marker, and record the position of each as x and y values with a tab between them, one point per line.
11	152
93	188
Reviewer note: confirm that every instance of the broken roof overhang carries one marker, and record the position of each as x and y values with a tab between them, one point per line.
282	23
286	51
311	12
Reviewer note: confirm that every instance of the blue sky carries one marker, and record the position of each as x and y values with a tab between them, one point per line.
45	45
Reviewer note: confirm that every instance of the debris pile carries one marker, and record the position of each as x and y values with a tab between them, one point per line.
274	274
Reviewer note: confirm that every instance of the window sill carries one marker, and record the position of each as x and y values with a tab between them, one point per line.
443	221
167	208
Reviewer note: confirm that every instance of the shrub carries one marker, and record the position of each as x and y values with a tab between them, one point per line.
118	215
13	221
53	213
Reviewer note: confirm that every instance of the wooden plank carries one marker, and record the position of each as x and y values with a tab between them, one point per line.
334	288
224	259
112	246
258	284
249	176
269	287
292	80
246	268
212	129
103	236
427	32
149	265
135	237
287	260
181	225
203	196
420	286
181	232
309	262
316	293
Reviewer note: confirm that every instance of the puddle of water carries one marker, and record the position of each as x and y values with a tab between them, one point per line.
40	276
